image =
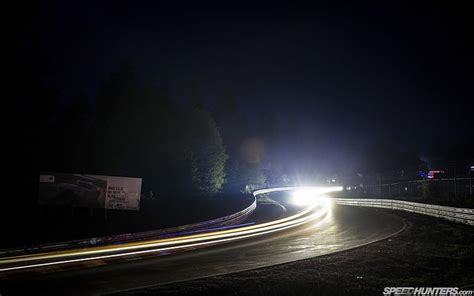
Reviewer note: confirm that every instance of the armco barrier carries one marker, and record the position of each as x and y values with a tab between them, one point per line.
460	215
232	219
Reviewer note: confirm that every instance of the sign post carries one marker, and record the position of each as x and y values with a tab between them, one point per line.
90	191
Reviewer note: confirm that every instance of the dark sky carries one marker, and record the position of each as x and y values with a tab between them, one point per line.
358	72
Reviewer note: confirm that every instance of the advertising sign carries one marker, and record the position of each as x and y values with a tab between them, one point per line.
91	191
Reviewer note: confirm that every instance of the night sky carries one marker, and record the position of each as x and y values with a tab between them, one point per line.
349	73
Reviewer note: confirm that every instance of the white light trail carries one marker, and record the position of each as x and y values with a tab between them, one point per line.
313	211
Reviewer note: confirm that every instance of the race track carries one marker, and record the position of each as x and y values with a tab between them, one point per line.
341	228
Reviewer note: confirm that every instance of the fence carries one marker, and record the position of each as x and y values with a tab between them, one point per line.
440	188
460	215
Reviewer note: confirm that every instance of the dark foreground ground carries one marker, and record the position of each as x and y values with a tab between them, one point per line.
430	252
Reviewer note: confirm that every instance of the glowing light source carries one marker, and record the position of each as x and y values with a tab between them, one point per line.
304	197
432	174
314	196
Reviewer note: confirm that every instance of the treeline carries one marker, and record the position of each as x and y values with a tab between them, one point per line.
187	146
136	128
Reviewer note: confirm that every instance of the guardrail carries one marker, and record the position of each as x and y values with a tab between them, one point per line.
460	215
231	219
162	246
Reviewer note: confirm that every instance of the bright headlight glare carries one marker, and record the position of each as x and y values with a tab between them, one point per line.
304	197
314	195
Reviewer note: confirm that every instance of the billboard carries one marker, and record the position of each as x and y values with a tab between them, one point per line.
91	191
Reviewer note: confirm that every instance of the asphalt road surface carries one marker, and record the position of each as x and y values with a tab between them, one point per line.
342	228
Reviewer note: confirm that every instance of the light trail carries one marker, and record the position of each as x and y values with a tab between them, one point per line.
170	244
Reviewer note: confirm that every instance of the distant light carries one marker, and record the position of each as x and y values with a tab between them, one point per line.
313	196
334	181
348	188
304	197
432	174
307	198
472	168
406	188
